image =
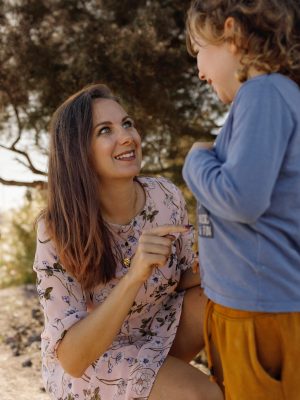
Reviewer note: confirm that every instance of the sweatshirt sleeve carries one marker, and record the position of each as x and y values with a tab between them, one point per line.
240	187
60	295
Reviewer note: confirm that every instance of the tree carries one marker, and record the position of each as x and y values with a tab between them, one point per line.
18	241
50	49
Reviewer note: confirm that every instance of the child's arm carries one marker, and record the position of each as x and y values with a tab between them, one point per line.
238	186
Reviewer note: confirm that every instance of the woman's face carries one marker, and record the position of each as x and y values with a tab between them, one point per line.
116	144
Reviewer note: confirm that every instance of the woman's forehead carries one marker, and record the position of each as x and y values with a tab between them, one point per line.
107	109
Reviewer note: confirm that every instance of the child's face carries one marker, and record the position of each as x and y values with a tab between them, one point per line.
217	64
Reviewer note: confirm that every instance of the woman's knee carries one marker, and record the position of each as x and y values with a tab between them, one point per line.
178	380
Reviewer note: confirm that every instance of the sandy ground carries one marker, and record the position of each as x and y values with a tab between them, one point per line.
20	328
21	323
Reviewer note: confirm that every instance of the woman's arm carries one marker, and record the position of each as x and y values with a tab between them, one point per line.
85	341
189	278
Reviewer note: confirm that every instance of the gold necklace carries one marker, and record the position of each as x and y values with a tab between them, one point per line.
126	262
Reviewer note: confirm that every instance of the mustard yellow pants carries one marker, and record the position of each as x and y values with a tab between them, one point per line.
259	352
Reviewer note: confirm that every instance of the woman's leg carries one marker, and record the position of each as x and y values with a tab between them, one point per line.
189	337
178	380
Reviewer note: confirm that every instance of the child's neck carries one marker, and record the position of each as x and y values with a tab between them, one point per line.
253	72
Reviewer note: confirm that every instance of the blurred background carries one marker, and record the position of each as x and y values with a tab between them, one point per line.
49	49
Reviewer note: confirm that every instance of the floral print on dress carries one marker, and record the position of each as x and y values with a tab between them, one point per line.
127	370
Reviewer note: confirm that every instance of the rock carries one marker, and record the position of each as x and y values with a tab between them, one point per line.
21	321
27	363
37	314
33	338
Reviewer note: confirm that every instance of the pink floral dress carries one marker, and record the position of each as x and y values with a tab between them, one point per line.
127	370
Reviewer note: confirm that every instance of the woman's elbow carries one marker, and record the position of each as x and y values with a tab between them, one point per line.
72	369
70	365
74	373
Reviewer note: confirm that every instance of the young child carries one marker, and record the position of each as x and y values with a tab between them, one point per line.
248	189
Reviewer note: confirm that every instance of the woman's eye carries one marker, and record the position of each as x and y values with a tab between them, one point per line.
128	123
104	130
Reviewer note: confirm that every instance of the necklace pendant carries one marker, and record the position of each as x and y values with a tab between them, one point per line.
126	262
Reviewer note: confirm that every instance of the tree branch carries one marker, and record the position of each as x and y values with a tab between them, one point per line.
30	165
16	111
19	124
33	184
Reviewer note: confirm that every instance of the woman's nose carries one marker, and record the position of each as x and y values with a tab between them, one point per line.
125	136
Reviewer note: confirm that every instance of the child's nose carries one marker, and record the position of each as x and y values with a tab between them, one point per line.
200	72
201	76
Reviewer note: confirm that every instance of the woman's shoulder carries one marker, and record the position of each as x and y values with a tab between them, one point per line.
42	233
160	187
158	182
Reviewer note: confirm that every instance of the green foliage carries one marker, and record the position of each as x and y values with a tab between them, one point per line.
18	242
50	49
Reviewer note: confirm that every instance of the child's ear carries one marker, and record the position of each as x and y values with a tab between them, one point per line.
231	34
229	27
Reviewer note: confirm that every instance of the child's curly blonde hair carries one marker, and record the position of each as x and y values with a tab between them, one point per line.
266	32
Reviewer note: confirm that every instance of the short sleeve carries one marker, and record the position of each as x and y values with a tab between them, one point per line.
61	296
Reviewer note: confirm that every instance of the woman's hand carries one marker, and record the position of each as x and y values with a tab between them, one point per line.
93	335
154	249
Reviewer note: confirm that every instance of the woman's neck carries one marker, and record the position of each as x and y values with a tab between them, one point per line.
121	201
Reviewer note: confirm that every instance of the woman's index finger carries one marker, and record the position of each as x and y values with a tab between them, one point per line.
164	230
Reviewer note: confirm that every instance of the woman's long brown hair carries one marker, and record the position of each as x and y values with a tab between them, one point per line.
73	216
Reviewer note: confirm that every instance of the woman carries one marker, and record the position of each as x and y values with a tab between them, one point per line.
112	251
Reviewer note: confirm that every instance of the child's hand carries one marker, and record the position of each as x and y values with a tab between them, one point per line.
202	145
195	266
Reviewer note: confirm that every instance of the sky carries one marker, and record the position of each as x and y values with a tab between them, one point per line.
12	196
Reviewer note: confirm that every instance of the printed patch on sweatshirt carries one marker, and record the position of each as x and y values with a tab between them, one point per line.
205	227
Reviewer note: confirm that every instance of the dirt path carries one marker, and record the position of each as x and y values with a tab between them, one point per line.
21	323
20	328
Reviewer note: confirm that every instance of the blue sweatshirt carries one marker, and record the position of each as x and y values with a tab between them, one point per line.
248	189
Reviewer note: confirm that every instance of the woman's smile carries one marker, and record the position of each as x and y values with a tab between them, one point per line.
126	156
